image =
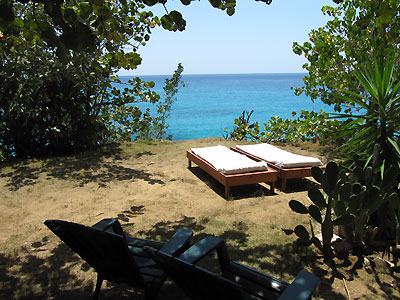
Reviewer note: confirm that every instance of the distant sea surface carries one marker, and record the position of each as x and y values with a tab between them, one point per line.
210	103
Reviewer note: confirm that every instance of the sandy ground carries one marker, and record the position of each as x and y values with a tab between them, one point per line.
150	189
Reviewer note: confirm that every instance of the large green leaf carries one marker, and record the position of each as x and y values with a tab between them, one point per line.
332	176
298	207
345	192
316	173
317	197
395	145
301	232
315	213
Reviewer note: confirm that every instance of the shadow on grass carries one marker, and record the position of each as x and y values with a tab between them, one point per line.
237	192
35	275
100	166
286	260
299	185
29	276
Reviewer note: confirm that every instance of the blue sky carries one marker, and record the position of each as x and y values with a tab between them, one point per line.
258	38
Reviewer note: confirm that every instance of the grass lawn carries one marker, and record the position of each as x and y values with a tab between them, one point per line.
150	189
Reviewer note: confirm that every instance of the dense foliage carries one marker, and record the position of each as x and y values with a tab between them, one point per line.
378	120
357	29
362	196
58	61
308	126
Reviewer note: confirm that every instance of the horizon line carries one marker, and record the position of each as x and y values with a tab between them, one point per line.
216	74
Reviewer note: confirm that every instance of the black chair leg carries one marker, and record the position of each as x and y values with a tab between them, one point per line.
98	287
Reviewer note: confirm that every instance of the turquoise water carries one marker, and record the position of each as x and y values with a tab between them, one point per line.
210	103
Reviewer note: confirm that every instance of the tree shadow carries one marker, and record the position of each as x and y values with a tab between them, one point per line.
85	168
36	274
287	259
299	185
29	276
237	192
385	287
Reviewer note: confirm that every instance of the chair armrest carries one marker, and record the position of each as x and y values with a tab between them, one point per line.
301	288
178	243
201	249
140	243
110	225
237	270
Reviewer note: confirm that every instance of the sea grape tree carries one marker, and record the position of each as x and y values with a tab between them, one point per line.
356	31
58	63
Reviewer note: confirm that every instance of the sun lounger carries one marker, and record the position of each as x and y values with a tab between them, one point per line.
289	165
231	168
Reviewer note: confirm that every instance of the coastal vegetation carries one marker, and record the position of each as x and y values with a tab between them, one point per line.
308	126
59	95
59	61
353	65
357	29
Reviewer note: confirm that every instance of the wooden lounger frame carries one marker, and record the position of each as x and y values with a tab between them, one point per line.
269	176
283	173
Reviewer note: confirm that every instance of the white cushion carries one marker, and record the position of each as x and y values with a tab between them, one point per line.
227	161
279	157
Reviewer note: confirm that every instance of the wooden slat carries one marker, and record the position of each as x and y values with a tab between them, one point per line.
283	173
269	176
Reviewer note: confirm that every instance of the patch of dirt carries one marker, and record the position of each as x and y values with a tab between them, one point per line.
152	192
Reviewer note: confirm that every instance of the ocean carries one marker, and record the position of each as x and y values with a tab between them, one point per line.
210	103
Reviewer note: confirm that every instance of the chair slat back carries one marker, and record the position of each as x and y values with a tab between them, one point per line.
197	282
106	252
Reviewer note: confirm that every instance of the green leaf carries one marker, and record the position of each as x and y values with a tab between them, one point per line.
332	173
85	10
288	231
374	198
389	176
180	23
340	208
301	232
316	197
298	207
345	192
357	188
375	160
369	178
354	204
316	173
150	2
315	213
167	23
395	145
230	11
133	59
216	3
394	200
316	242
303	242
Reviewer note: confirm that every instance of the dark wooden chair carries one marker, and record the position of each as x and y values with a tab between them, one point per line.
116	257
236	281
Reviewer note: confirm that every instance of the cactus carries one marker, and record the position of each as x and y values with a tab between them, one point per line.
349	199
331	184
371	185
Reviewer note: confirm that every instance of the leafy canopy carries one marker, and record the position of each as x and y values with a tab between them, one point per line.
357	29
57	79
